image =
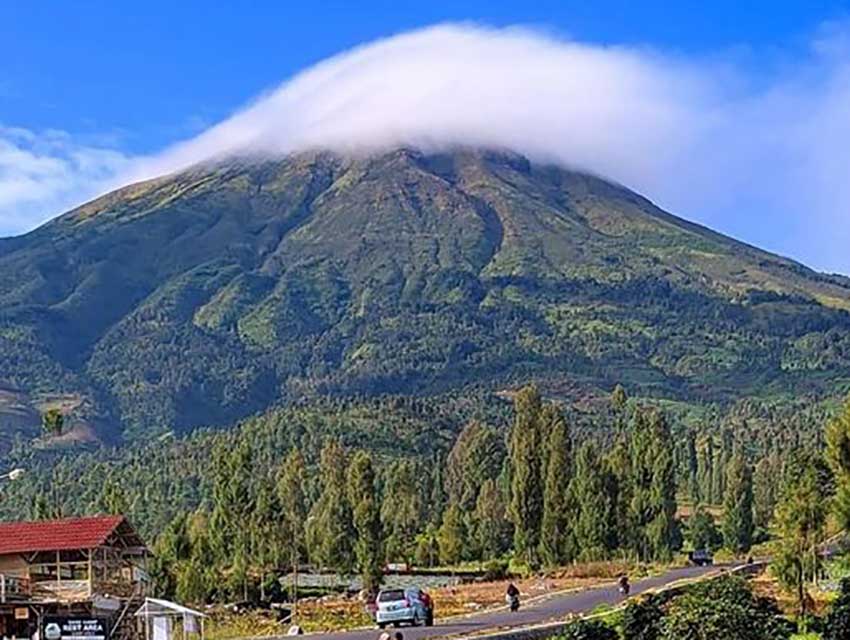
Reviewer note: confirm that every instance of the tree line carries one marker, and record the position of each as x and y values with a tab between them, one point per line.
536	495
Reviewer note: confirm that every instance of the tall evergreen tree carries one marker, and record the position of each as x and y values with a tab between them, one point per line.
451	536
292	499
619	398
437	495
403	511
427	552
594	517
738	506
267	542
705	470
171	548
476	456
653	500
692	469
526	506
112	499
555	534
838	456
491	528
723	454
196	577
232	509
766	480
53	422
362	495
619	488
330	532
801	521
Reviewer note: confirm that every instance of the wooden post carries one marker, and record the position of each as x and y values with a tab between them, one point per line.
91	575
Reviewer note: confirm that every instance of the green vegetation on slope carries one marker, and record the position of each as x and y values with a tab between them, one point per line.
208	296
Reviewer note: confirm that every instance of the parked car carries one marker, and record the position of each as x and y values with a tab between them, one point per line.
701	557
404	606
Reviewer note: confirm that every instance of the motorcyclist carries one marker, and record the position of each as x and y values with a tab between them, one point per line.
625	587
512	596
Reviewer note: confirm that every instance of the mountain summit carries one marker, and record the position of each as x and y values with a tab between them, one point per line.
201	297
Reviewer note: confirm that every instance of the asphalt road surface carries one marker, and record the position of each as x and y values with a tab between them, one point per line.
543	610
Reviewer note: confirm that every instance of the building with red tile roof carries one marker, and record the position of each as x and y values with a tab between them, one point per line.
87	567
61	535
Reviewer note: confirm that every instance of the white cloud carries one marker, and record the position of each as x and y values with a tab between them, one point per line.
44	173
762	155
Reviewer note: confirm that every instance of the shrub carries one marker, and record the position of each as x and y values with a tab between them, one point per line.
495	570
589	630
723	608
837	623
642	618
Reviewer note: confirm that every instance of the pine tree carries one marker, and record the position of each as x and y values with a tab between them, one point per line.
801	521
526	506
705	470
53	422
476	456
838	456
330	529
436	495
555	534
171	549
232	509
653	500
427	548
196	578
293	514
723	455
451	536
113	499
402	510
266	534
619	399
765	482
362	496
491	528
619	488
692	471
594	516
738	506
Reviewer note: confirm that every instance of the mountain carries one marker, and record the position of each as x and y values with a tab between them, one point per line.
205	296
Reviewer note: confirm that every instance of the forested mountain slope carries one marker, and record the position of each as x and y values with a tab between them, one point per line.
203	297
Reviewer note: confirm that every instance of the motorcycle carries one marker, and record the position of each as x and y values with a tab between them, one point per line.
513	601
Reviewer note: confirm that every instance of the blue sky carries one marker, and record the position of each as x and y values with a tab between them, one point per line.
147	73
88	86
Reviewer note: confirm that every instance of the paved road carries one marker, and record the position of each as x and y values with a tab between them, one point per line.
543	610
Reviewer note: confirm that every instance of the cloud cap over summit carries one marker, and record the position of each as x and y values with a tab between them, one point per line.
759	155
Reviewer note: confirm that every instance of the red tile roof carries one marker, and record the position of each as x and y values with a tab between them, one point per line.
57	535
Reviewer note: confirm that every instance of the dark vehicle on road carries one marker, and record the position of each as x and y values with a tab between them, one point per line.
701	558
